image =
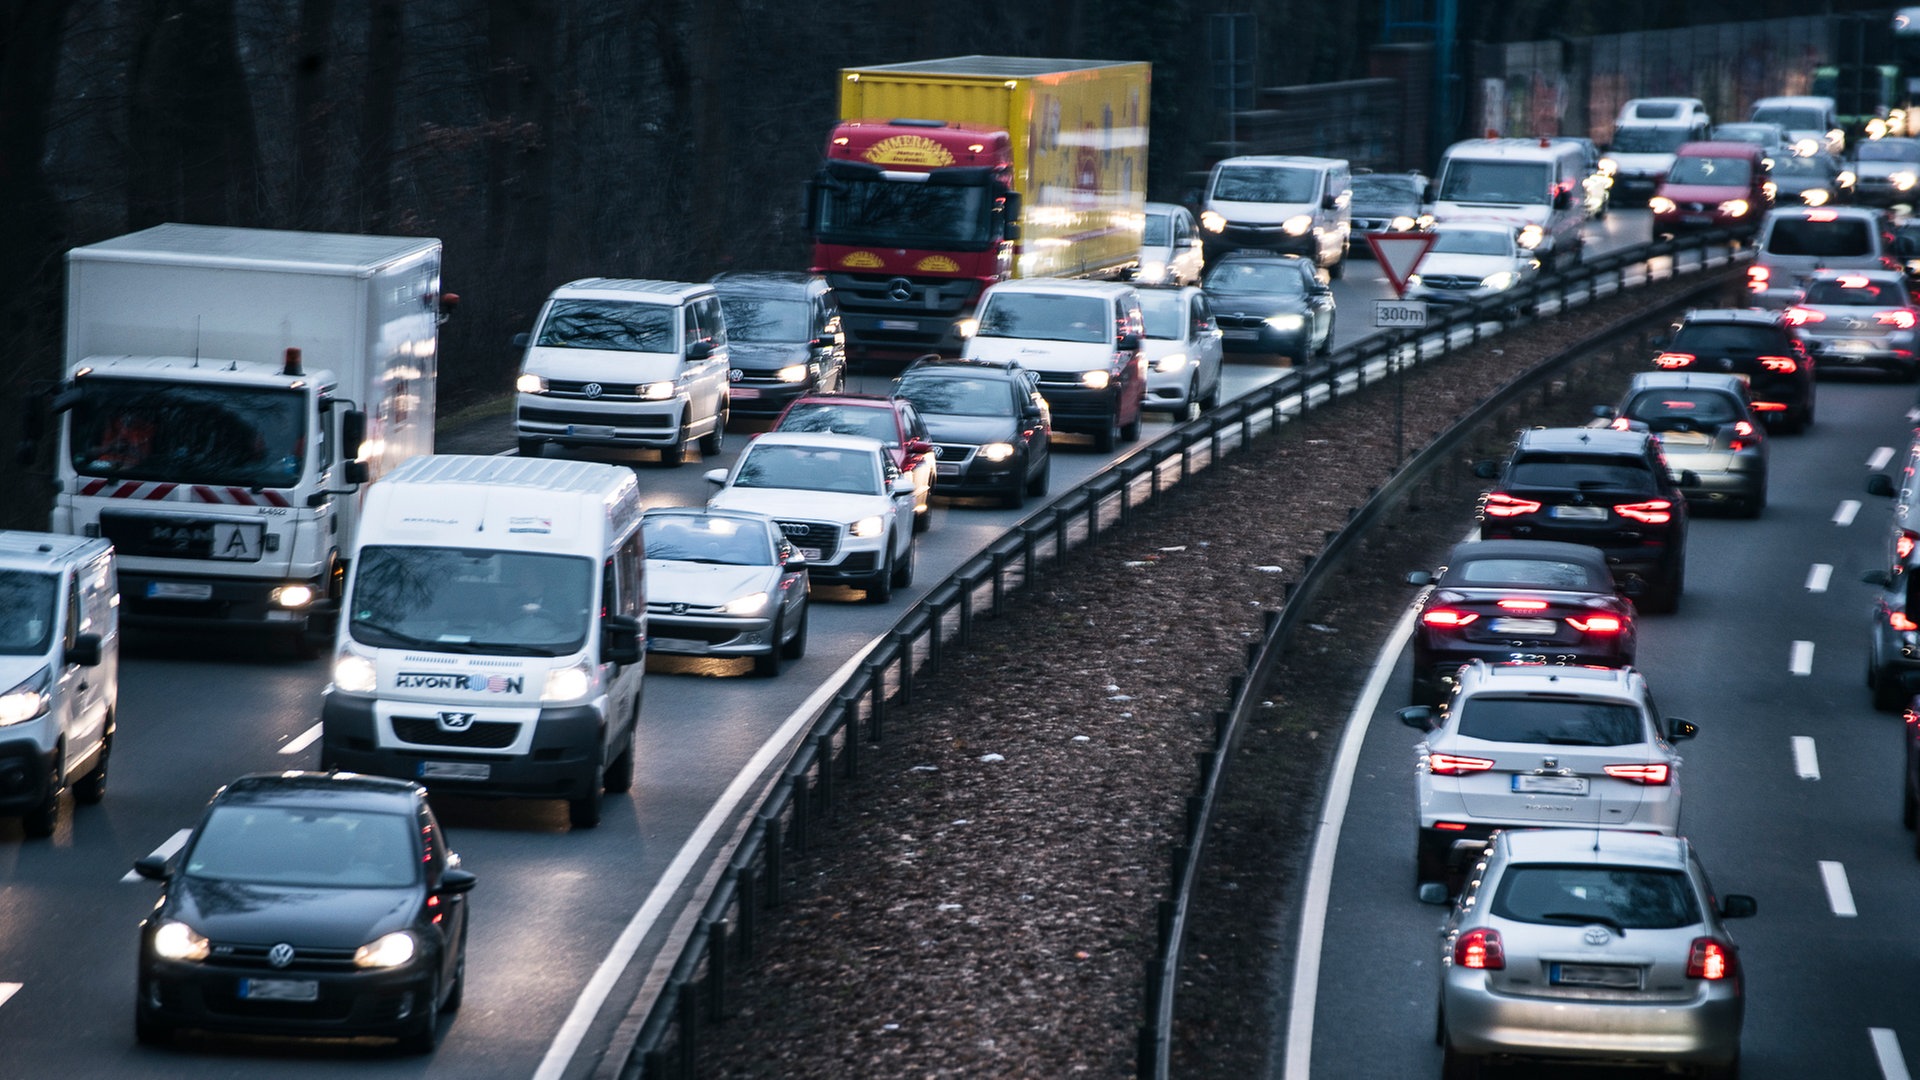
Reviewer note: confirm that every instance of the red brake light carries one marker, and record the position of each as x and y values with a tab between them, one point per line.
1500	504
1643	774
1524	605
1709	959
1447	617
1742	429
1597	624
1782	364
1455	765
1651	512
1480	949
1671	360
1799	316
1903	546
1899	621
1769	406
1898	318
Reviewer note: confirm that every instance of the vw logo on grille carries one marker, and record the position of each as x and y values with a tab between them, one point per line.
900	290
679	609
280	955
795	528
734	375
938	450
592	390
456	721
1596	935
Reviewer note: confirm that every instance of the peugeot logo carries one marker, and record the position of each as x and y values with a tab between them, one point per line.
734	375
679	609
280	955
592	390
1596	935
456	721
900	290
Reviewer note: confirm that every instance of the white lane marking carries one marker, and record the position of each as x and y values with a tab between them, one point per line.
7	990
566	1042
1839	894
1801	659
1817	577
1879	458
301	741
1848	508
1886	1047
1805	761
164	851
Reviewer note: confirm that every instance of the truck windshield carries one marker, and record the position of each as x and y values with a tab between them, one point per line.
1047	318
608	324
472	600
26	612
142	429
903	213
1649	140
1526	183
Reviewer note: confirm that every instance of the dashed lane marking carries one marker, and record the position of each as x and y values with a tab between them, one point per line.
301	741
1839	893
1848	508
1800	661
1817	577
1886	1047
1805	761
7	990
165	851
1879	458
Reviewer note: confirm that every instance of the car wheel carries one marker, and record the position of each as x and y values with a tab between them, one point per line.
767	665
584	813
1037	487
922	518
1193	409
424	1036
797	648
903	571
1108	437
40	821
532	447
1212	400
619	776
1129	432
714	443
1756	503
151	1030
1888	695
676	455
1015	496
1339	268
1729	1071
1326	343
92	787
880	589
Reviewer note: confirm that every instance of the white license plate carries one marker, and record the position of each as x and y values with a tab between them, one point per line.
1241	335
1613	976
744	393
280	989
176	590
1685	438
455	770
1524	627
1697	219
591	431
948	470
899	324
1852	346
674	644
810	554
1551	785
1578	513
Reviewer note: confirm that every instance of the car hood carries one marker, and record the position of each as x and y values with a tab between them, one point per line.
1156	253
767	356
304	917
1883	169
1503	213
1155	348
1704	193
1231	303
703	584
969	430
1037	355
798	503
1465	265
15	670
601	365
1259	213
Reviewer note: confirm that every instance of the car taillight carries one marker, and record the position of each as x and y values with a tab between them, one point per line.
1899	621
1781	364
1671	360
1447	617
1743	429
1651	512
1524	605
1640	774
1903	546
1597	624
1799	316
1757	278
1456	765
1710	959
1500	504
1480	949
1899	318
1769	406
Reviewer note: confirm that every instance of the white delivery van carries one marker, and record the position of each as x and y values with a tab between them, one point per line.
1280	203
60	665
1811	122
1536	187
491	642
1646	135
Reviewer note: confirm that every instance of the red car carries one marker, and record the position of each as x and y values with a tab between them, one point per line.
893	421
1713	185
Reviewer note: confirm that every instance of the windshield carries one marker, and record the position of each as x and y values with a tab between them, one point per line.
1166	313
1472	242
1393	192
809	468
703	539
1792	117
754	318
1623	897
1649	140
26	612
1856	291
1519	182
1719	171
472	600
137	429
945	396
1840	237
1256	277
1796	165
609	324
1157	231
873	421
1889	150
311	847
1045	317
1265	184
903	213
1551	721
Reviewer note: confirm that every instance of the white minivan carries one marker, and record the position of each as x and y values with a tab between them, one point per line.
616	362
1535	187
491	642
1646	135
1280	203
1811	122
60	662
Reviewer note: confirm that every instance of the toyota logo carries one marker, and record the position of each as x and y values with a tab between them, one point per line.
900	290
1596	935
280	955
592	390
456	721
734	375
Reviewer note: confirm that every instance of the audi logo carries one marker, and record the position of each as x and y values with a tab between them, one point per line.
900	290
797	528
592	390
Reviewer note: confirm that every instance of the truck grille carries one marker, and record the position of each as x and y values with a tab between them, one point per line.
1451	282
891	293
573	388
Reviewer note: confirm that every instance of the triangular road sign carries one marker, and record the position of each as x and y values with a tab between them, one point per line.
1399	254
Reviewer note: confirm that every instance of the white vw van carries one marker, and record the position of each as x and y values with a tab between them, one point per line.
1280	203
614	362
1536	187
60	665
491	641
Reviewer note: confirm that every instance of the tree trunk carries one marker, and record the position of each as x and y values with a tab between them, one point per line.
520	35
310	113
385	49
191	141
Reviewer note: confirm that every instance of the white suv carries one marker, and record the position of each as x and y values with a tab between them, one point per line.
1527	744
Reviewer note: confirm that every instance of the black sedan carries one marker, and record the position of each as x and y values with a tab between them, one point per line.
1517	601
991	430
1271	303
307	904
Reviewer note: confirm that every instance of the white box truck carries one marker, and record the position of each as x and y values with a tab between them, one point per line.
226	391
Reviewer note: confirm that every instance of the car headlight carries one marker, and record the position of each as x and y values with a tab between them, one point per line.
1735	208
1403	223
1171	362
1660	204
174	940
1151	272
1505	279
293	596
1212	222
1815	196
1426	221
1770	189
1902	181
654	391
868	526
1805	148
27	700
1531	236
1413	279
966	328
1846	178
353	673
386	951
570	683
1609	166
792	373
529	383
997	451
745	605
1096	379
1297	225
1286	322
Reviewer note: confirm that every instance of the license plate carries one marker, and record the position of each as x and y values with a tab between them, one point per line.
280	989
1578	513
1612	976
810	554
1852	346
1551	785
1241	335
1685	438
176	590
948	470
591	431
674	644
744	393
1697	219
455	770
1524	627
899	324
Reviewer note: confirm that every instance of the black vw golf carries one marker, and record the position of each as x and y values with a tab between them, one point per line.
308	904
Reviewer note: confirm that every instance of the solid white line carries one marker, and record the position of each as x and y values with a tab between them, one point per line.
1800	661
1805	761
301	741
1818	576
1886	1047
566	1042
1879	458
7	990
165	850
1326	843
1839	894
1848	508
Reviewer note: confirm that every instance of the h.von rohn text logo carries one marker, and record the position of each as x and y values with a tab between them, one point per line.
433	680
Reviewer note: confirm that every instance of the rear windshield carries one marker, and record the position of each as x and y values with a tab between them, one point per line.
1838	238
1550	721
1703	338
1583	472
1256	277
1659	408
1524	573
1656	110
1858	291
1624	897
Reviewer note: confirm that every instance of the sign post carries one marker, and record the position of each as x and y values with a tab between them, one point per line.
1399	255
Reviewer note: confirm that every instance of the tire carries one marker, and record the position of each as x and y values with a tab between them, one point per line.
1212	400
92	787
676	455
797	648
880	587
903	572
1889	696
1429	863
619	776
714	443
424	1037
1193	408
922	519
767	665
1038	485
1130	432
151	1030
584	813
532	447
1326	343
1108	437
1339	268
40	821
1729	1071
1756	505
1015	496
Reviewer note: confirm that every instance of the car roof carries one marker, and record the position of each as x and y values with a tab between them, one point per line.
672	292
1165	208
1825	213
1471	225
935	364
351	791
705	511
1751	316
1602	847
1061	286
1280	159
817	439
1558	550
1257	255
1688	380
1597	440
1720	148
875	401
1884	277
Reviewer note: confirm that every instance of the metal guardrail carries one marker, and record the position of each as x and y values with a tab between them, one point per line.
718	928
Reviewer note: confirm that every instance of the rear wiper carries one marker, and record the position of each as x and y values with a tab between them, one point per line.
1607	921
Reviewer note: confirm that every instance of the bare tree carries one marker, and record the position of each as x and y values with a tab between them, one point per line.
193	155
374	178
310	112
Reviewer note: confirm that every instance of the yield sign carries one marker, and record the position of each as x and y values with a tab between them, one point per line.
1399	254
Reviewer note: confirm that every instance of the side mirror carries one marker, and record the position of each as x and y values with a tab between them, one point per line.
700	350
1011	230
353	433
1880	484
1331	202
1418	717
1011	207
1433	892
85	651
1678	729
620	640
1738	906
792	559
356	472
456	880
521	340
903	484
1127	342
1563	200
152	867
1604	412
1420	577
716	476
1486	470
919	446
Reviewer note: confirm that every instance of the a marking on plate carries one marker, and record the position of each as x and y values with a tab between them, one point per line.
1848	508
1879	458
1801	659
301	741
165	851
1806	761
1886	1047
1839	894
1817	577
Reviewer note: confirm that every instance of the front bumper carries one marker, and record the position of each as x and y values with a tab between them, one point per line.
561	762
586	423
1080	410
352	1002
961	471
1635	188
1258	238
1702	1030
707	635
763	398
